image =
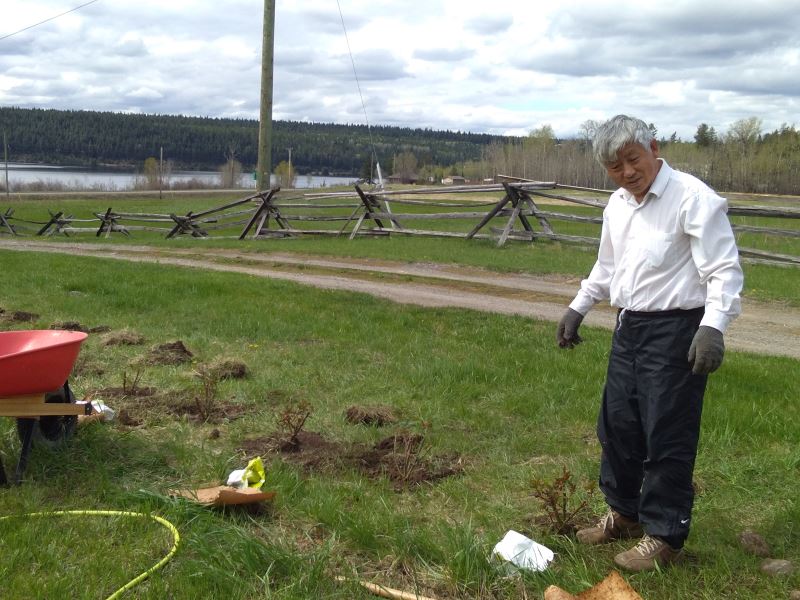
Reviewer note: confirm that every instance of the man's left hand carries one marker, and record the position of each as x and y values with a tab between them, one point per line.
706	350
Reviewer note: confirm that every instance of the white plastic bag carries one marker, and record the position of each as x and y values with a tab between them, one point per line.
252	476
106	413
523	552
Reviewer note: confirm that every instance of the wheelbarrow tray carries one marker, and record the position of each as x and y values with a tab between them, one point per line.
35	362
34	367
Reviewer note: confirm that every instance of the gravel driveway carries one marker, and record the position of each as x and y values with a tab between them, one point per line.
763	328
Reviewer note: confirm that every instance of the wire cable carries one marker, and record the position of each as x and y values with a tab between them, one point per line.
358	84
176	537
8	35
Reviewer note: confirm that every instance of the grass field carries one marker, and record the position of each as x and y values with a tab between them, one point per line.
763	282
484	405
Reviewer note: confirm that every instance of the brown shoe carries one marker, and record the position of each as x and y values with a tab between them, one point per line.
613	526
649	553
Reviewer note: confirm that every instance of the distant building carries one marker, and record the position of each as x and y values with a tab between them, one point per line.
412	178
454	180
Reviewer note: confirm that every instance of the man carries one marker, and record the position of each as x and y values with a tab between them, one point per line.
668	261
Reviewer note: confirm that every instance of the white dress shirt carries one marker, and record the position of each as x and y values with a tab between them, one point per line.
674	250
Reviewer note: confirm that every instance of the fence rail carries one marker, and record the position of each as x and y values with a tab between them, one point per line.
469	212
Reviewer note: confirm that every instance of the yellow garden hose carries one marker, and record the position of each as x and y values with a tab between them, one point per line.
121	513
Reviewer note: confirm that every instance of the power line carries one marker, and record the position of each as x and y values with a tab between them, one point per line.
358	85
8	35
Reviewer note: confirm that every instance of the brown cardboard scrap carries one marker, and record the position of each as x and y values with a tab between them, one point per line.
556	593
613	587
92	418
224	495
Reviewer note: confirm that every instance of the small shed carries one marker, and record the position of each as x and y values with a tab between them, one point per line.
411	178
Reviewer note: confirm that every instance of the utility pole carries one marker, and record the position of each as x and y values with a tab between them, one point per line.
265	118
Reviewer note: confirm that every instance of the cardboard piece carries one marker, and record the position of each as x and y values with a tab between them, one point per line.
613	587
224	495
554	592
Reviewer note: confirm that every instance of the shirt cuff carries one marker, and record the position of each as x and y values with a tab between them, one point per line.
717	320
582	303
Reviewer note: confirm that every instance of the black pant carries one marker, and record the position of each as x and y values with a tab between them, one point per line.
649	422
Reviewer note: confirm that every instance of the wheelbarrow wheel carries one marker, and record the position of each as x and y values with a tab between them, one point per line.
50	431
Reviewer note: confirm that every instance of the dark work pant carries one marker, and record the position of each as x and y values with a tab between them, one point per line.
649	422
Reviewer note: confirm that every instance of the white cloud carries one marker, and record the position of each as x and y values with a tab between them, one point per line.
145	93
443	64
489	24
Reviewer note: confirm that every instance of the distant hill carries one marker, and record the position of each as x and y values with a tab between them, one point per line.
103	138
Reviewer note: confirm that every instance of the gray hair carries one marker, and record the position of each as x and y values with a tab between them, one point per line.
616	133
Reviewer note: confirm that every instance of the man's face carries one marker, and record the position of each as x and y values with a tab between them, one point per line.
635	168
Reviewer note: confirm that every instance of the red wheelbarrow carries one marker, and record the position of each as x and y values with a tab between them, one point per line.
34	367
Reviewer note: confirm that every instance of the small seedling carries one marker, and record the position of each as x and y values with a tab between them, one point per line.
130	388
206	400
407	459
561	502
292	420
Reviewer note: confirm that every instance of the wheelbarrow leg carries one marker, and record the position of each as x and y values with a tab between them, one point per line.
26	431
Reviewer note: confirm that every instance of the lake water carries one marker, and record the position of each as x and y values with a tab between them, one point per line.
78	179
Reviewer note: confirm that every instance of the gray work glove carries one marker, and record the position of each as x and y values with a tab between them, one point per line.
567	333
706	351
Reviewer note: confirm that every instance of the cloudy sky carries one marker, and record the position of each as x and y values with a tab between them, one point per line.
505	66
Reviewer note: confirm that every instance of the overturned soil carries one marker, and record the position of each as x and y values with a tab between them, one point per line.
228	368
402	458
171	353
18	316
136	404
124	337
763	328
377	416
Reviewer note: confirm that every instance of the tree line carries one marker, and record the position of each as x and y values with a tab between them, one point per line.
90	138
744	158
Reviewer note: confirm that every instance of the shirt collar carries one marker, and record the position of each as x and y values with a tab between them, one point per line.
656	188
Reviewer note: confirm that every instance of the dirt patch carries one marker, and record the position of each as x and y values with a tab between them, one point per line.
124	337
69	326
124	417
543	523
754	543
406	462
197	412
171	353
142	403
228	368
19	316
370	415
308	449
403	458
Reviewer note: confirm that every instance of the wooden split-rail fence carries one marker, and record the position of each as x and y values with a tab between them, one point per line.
500	212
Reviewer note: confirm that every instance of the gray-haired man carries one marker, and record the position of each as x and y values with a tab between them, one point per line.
668	261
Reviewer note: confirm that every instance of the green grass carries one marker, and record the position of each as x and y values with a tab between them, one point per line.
492	389
769	283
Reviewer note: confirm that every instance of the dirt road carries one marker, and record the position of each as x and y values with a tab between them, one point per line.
763	328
